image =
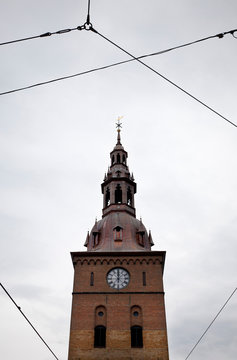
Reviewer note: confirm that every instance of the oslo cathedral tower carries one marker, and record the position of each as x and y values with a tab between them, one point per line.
118	309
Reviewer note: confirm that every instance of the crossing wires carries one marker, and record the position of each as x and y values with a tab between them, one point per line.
160	52
165	78
89	27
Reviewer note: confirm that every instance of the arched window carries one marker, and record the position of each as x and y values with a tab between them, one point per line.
95	236
100	336
124	159
136	316
118	194
100	316
129	196
107	197
136	337
112	159
118	158
118	233
141	238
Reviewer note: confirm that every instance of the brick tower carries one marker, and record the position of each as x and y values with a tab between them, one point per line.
118	309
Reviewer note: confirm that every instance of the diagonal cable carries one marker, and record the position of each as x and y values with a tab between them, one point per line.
211	324
104	67
165	78
18	307
46	34
221	35
65	77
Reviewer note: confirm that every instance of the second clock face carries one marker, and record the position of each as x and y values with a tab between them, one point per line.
118	278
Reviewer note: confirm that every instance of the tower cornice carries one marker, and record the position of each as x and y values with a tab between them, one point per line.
118	258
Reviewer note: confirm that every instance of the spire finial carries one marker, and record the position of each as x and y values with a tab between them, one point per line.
118	126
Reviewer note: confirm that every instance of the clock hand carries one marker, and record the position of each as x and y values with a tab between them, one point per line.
118	277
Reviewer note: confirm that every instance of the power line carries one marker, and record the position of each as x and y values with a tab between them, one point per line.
18	307
65	77
210	324
85	27
220	36
89	27
165	78
114	64
46	34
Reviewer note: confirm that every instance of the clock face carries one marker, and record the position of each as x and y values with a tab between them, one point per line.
118	278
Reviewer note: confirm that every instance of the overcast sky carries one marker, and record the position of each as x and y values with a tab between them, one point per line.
54	150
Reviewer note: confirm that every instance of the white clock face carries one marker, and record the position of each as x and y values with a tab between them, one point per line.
118	278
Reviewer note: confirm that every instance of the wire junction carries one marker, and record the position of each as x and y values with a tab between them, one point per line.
89	27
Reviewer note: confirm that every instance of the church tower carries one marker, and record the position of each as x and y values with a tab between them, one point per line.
118	309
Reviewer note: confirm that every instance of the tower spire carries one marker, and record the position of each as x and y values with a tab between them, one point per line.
118	187
119	126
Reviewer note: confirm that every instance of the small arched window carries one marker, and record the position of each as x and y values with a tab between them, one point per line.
112	160
136	337
118	233
118	194
96	238
100	336
129	196
118	158
124	159
100	316
107	197
141	238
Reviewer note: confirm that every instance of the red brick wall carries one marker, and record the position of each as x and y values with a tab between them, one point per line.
117	304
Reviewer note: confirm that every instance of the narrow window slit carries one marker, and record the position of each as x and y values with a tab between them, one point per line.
107	197
118	194
92	279
118	158
129	196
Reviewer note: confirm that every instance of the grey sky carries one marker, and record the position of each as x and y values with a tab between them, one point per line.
54	149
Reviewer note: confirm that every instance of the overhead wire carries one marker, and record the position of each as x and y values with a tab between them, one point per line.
59	32
82	27
44	35
64	77
165	78
112	65
88	26
18	307
210	324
